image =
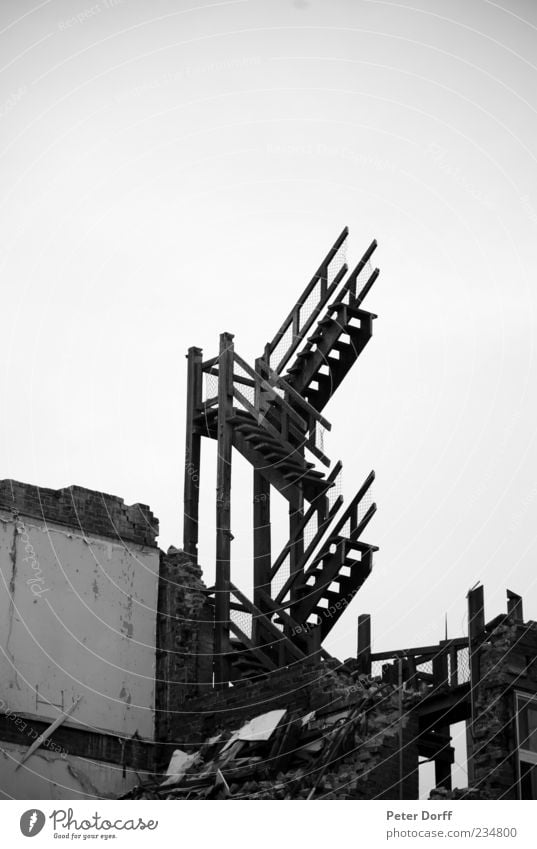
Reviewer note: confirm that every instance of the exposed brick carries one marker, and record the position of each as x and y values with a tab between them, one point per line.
83	510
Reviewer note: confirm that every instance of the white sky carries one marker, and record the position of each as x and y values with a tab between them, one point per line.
170	170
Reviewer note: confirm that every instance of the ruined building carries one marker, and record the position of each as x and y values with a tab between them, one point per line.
124	675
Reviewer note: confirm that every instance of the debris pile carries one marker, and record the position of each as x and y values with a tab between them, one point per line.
460	793
348	749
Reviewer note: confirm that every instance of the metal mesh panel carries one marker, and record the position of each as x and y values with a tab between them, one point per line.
463	666
365	504
281	348
310	530
363	507
335	491
211	386
426	667
280	577
247	391
243	620
338	262
364	276
309	305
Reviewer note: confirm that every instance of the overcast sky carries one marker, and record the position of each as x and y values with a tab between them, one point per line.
170	170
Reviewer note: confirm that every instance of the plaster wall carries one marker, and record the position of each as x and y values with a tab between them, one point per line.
77	619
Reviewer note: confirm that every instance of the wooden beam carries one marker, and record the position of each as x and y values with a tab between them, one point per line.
291	320
476	627
442	766
48	732
440	669
280	639
514	606
350	284
459	642
255	650
192	454
364	643
223	510
262	544
296	552
69	739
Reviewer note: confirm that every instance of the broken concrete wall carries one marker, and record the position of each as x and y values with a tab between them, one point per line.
79	580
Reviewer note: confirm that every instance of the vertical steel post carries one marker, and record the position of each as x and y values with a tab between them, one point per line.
262	544
192	454
223	510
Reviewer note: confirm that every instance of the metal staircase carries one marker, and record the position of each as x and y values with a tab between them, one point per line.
337	341
271	413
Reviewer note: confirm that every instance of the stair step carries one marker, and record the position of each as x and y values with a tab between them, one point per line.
272	455
329	596
307	468
344	347
257	432
313	473
291	468
355	312
258	439
316	398
303	354
303	476
242	417
270	444
337	305
251	428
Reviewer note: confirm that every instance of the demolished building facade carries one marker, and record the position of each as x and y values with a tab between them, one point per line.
124	675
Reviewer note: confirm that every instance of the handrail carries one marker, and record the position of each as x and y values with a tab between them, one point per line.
350	285
266	621
352	510
325	550
365	288
445	646
293	318
304	521
314	417
261	383
296	396
343	541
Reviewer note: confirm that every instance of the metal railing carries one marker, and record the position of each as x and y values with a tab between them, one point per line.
443	665
307	309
